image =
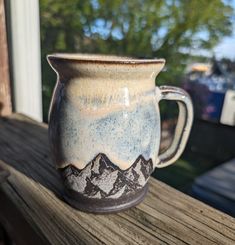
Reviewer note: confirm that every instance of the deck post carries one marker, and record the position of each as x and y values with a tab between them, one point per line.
5	91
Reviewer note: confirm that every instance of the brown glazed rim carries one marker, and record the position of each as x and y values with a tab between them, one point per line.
102	59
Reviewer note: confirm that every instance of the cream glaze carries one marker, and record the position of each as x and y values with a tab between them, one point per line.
108	108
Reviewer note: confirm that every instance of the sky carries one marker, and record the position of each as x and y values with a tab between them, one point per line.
226	48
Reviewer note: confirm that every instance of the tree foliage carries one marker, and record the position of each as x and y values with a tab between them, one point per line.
169	29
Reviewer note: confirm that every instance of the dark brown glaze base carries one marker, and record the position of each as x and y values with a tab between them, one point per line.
104	206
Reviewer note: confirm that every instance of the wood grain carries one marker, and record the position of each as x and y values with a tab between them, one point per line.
165	217
217	186
5	91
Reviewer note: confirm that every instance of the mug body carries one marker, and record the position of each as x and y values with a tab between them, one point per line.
104	132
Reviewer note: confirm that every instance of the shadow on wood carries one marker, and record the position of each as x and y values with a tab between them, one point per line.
24	146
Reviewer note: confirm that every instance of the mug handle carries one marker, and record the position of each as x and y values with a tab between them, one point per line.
184	123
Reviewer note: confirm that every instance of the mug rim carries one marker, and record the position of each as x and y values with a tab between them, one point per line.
103	59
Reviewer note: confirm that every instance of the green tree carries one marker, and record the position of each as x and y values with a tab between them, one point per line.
170	29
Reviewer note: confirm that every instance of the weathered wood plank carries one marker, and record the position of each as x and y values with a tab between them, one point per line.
5	91
17	227
165	217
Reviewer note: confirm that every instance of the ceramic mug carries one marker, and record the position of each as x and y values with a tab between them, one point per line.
104	128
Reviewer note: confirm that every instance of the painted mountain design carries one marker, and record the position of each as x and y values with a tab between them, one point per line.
102	179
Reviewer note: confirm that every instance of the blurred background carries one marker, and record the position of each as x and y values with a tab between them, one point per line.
197	39
182	32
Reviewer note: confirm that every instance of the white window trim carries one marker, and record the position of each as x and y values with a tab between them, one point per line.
26	57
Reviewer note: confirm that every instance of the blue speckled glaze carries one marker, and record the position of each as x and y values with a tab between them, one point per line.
104	108
122	135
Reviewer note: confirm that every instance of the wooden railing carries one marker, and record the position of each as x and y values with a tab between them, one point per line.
33	211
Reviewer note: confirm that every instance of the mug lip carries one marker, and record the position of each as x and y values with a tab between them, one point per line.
103	59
